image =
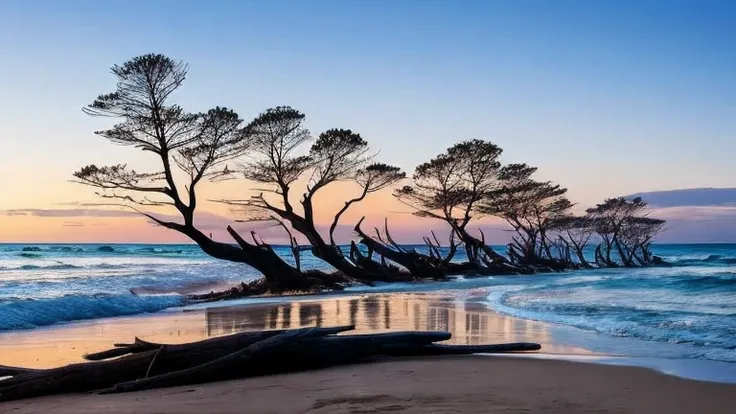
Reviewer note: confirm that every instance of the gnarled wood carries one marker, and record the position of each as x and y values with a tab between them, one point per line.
6	371
227	342
440	349
93	376
418	265
151	365
220	368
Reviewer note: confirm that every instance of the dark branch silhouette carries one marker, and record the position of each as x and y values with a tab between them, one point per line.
193	144
449	188
277	138
531	208
277	152
625	232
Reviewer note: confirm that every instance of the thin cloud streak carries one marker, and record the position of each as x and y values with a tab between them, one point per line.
689	197
71	212
693	215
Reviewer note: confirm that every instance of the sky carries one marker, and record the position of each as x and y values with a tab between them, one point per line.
607	98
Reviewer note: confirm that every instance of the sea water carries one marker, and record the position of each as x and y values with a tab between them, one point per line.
692	302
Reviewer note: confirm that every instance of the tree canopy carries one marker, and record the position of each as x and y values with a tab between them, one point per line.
195	144
283	167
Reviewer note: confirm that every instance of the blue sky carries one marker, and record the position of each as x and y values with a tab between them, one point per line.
606	97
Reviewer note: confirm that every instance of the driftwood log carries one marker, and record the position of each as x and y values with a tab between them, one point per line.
145	365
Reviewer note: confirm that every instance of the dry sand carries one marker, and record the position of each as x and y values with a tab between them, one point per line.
476	384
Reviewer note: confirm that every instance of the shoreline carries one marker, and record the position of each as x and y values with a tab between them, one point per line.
539	298
570	343
574	371
459	312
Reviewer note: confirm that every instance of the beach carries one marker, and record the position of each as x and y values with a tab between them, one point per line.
470	323
471	384
475	384
367	207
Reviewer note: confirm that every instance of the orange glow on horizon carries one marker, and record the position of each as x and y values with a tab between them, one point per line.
81	222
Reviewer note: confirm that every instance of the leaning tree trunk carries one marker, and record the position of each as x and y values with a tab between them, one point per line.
378	267
363	274
609	250
579	251
644	259
278	275
601	259
487	260
646	254
418	265
327	252
581	257
626	259
580	254
480	245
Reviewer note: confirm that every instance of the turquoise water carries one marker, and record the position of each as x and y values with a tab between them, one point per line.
692	302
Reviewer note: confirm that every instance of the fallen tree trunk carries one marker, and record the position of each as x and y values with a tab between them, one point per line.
221	343
439	349
11	371
225	367
146	365
278	275
103	374
393	273
418	265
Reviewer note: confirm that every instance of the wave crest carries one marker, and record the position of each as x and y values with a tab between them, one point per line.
713	259
29	313
60	266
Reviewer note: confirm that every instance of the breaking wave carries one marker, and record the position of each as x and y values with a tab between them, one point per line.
32	313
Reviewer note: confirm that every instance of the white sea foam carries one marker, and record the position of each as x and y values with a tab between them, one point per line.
693	302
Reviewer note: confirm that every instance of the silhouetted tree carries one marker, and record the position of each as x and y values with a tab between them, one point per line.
624	229
276	151
450	186
575	232
192	144
531	208
276	158
636	238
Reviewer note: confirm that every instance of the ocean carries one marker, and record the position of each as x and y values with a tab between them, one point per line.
692	303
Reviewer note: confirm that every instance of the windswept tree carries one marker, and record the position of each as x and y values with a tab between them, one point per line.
575	232
625	231
449	188
531	208
636	239
189	145
282	151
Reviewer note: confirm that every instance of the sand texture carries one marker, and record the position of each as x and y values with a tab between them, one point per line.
475	384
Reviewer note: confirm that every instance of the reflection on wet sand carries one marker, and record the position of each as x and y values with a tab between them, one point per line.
469	322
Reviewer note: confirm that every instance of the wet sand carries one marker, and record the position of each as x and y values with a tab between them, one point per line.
474	384
469	322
